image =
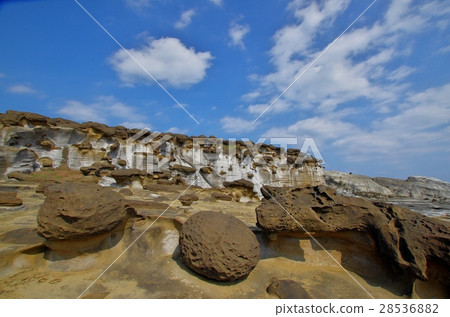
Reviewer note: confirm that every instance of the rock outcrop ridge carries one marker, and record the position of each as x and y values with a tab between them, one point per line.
407	240
30	142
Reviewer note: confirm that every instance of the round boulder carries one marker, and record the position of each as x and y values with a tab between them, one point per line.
218	246
73	211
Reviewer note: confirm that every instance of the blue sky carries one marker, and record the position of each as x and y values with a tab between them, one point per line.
376	102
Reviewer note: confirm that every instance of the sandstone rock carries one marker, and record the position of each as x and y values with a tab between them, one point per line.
147	204
97	168
73	210
73	148
10	199
162	175
406	240
47	144
221	196
46	162
85	146
188	199
239	183
206	170
42	187
178	180
287	289
182	168
12	118
19	176
218	246
122	162
126	192
165	182
90	179
127	176
415	187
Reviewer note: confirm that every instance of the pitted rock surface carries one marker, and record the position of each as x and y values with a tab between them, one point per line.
218	246
75	210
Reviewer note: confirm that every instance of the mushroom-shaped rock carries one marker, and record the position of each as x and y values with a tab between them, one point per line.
218	246
127	176
73	210
188	199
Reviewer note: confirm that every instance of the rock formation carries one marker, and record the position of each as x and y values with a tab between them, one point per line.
287	289
221	196
10	199
415	187
407	240
188	199
218	246
73	212
102	151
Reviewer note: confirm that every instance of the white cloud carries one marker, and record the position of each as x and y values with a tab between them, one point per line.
251	95
421	125
444	50
401	73
236	124
177	130
104	109
185	19
355	67
136	125
138	4
21	89
237	32
167	59
217	2
321	129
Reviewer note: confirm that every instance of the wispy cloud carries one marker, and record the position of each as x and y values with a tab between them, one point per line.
167	59
185	19
356	99
356	66
137	4
237	125
444	50
21	89
237	32
104	109
177	130
217	2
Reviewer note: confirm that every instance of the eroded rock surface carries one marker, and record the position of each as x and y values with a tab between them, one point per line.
97	150
406	239
287	289
72	211
10	199
188	199
218	246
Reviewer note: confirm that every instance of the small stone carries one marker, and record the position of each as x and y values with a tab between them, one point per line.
188	199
